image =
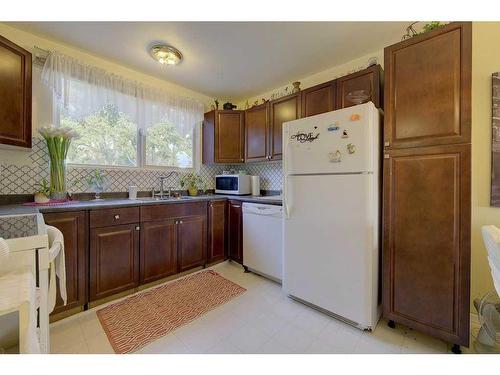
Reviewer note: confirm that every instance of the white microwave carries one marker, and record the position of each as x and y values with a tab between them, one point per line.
235	184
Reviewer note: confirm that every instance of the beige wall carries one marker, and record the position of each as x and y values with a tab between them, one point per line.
485	61
42	97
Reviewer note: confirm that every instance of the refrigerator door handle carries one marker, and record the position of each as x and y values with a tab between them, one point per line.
287	201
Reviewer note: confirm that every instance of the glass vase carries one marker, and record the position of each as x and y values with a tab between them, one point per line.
58	178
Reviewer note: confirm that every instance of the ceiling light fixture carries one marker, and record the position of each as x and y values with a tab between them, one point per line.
166	54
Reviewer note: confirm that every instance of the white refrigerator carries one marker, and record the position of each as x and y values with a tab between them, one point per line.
331	225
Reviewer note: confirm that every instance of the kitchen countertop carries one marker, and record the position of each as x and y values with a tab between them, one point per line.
19	209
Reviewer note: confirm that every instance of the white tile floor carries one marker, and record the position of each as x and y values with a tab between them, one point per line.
262	320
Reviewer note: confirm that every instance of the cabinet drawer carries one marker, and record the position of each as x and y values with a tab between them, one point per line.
168	211
114	216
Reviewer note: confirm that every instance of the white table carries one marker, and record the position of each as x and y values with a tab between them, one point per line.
26	235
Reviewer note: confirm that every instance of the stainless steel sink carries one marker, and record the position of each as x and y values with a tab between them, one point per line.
152	199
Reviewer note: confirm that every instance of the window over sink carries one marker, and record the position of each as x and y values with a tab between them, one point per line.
122	123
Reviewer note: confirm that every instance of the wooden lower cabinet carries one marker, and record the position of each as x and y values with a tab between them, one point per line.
114	260
173	239
235	231
191	242
426	258
217	223
74	229
158	250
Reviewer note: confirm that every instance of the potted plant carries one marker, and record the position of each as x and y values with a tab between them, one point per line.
96	182
58	142
192	182
43	193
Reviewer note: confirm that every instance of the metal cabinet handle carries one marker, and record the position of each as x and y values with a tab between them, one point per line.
387	144
137	228
180	222
386	156
117	217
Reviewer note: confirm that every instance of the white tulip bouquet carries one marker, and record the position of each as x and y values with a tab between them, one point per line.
58	142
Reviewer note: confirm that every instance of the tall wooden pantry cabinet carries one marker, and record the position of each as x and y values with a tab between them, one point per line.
426	202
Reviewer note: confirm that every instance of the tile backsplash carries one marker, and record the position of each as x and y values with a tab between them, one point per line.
23	179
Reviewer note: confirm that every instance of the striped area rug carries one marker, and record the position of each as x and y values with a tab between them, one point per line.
140	319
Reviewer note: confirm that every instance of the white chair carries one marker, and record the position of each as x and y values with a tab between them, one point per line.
488	307
18	294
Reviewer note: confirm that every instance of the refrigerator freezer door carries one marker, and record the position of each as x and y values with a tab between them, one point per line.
343	141
331	244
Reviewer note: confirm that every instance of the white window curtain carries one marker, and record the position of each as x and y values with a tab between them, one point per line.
82	89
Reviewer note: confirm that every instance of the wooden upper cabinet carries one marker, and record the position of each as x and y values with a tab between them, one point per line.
224	137
426	268
359	87
114	260
15	94
318	99
74	229
217	232
427	88
257	133
282	110
158	254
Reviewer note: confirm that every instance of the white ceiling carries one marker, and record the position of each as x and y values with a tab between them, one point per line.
233	60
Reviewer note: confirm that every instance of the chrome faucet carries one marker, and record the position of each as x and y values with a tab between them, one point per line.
161	195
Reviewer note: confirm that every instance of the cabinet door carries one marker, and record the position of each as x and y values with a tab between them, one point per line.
229	137
282	110
318	99
114	260
235	231
74	229
427	88
216	230
359	87
15	91
192	242
158	250
427	240
257	133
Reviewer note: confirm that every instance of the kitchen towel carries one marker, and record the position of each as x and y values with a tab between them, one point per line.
57	266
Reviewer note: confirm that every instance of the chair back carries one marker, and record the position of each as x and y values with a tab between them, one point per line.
491	238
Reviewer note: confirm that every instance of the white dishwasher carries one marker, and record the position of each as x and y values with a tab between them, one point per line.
263	239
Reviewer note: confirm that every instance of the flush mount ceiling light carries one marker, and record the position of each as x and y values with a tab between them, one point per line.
166	54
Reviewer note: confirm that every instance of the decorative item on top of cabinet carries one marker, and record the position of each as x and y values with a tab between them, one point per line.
282	110
495	140
318	99
257	133
217	222
223	137
296	87
73	226
15	94
235	231
360	87
426	192
228	106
